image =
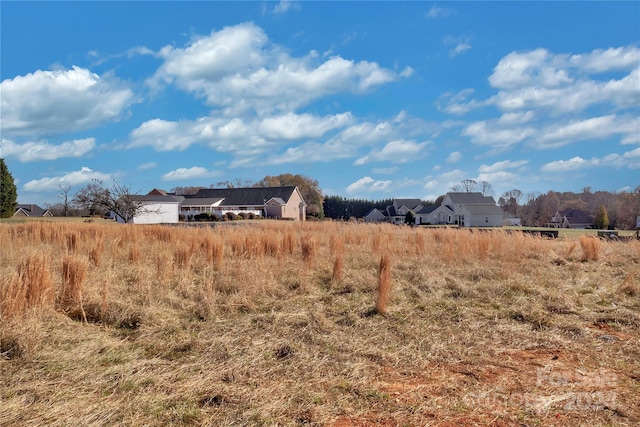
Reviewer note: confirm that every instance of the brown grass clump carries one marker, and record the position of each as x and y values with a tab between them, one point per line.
213	250
629	286
309	248
590	248
30	287
96	253
384	284
73	275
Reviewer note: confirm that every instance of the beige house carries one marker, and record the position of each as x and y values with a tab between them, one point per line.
266	202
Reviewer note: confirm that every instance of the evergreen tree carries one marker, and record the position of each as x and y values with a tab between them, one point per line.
8	192
602	219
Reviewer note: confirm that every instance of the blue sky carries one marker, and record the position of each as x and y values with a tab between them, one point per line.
373	99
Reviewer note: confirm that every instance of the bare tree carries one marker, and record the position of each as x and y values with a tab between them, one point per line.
486	189
64	195
465	186
118	199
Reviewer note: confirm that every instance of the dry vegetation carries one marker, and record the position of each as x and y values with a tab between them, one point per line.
332	324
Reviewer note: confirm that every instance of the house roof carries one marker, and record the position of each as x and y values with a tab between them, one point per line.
32	210
576	216
376	210
483	209
474	197
250	196
156	198
427	209
196	201
409	203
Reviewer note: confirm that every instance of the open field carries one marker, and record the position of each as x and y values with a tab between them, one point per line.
330	324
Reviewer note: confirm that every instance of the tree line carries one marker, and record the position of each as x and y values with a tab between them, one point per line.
610	209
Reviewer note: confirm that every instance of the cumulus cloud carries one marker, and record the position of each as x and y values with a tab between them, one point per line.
182	174
368	185
236	135
594	128
548	100
629	159
53	102
83	176
490	133
501	166
238	68
400	151
42	150
454	157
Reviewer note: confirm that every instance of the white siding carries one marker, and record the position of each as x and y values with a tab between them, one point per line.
167	213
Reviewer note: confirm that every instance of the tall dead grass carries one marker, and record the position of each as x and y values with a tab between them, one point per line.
31	286
384	284
590	248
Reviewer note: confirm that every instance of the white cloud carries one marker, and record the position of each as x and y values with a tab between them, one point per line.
454	157
368	185
462	44
238	136
146	166
607	60
440	12
53	102
460	48
42	150
182	174
593	128
489	133
502	165
296	126
385	171
629	159
399	151
82	176
284	6
572	164
239	69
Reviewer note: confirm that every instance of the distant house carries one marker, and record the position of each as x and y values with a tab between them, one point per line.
158	209
396	212
463	209
571	218
269	202
434	214
31	211
375	215
473	209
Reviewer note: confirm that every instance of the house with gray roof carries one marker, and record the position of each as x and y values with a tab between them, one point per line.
29	210
463	209
266	202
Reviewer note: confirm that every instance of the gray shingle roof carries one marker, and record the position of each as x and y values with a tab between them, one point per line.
32	210
245	196
466	198
427	209
483	209
409	203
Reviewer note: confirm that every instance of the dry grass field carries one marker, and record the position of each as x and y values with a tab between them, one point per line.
328	324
